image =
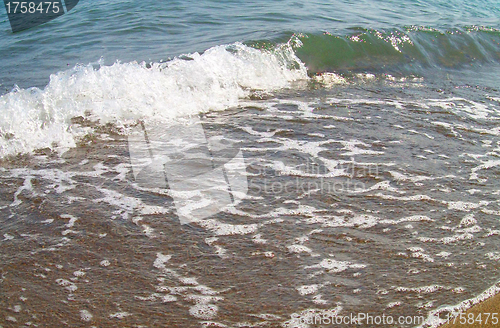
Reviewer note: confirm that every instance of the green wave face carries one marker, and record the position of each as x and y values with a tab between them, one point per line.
408	50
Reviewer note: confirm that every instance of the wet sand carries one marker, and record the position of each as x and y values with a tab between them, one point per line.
491	305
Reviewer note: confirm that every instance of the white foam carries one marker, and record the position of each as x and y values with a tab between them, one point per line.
393	304
86	315
466	206
330	79
258	239
485	166
362	221
493	233
148	231
26	186
308	290
16	308
215	80
189	281
120	315
68	285
473	109
353	149
448	240
384	185
318	299
204	311
444	254
421	290
105	263
127	204
79	273
225	229
402	177
283	169
407	198
419	253
168	298
7	237
493	256
468	221
415	218
161	260
72	220
299	249
211	240
437	317
336	266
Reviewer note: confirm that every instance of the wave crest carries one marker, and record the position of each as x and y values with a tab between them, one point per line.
215	80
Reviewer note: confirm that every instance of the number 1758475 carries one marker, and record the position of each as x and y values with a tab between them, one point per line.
44	7
473	318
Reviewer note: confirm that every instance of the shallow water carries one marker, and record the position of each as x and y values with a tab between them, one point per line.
330	159
380	197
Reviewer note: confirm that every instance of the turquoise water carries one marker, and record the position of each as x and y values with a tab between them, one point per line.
158	30
249	164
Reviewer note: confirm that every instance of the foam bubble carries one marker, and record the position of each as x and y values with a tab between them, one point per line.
393	304
204	311
79	273
7	237
105	263
258	239
334	265
86	315
494	256
299	249
119	315
16	308
68	285
422	290
160	261
466	206
226	229
72	220
308	290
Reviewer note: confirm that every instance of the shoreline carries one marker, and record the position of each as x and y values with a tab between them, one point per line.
487	308
486	302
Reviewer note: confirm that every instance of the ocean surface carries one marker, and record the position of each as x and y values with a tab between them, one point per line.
249	164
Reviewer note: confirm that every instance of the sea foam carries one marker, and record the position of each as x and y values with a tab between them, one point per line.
126	92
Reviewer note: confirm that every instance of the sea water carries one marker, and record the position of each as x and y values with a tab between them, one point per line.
249	164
